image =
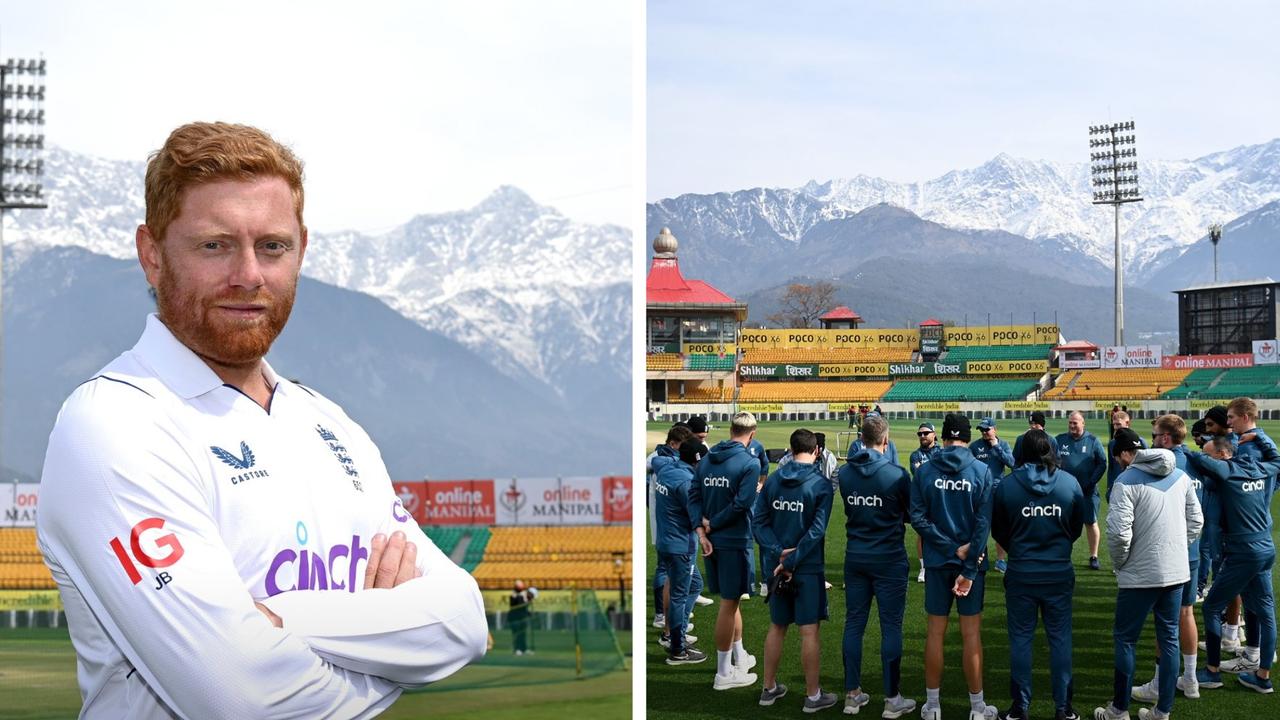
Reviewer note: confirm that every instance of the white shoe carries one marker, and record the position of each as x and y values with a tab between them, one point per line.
827	584
920	577
987	713
745	596
1228	646
1147	692
764	591
745	662
702	600
735	678
1238	665
1189	686
659	620
688	626
1150	714
1108	713
931	712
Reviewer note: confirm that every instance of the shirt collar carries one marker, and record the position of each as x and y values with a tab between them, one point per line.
180	369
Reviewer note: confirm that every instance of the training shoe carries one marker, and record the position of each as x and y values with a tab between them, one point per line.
1068	714
931	712
854	703
1207	679
896	707
988	712
659	620
920	577
1151	714
764	592
745	596
1189	686
1227	646
1094	564
702	600
688	657
824	701
1110	713
1147	692
745	663
767	696
735	678
1002	566
1201	595
1240	664
665	641
1013	714
687	627
1255	683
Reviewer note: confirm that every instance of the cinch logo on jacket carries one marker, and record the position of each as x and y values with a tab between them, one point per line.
949	484
661	489
865	500
720	482
1042	511
790	505
316	569
1253	485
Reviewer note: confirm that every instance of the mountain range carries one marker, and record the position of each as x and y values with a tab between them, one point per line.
1012	221
542	300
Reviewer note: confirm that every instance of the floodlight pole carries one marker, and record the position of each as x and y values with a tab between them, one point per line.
1215	236
1107	191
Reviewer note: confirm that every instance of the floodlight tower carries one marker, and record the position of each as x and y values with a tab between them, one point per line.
1215	237
1114	167
21	151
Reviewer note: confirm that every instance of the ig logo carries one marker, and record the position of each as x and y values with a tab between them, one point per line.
168	540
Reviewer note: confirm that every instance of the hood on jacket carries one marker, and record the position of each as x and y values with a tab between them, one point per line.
1037	479
793	474
1157	461
665	450
953	458
725	450
866	462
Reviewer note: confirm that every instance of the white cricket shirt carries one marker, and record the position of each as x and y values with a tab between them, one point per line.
170	502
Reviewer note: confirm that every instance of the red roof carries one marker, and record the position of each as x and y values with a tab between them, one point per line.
931	322
841	313
1077	345
666	285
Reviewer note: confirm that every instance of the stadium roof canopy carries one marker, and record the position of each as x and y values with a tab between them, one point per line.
1077	345
1231	284
842	312
931	322
666	288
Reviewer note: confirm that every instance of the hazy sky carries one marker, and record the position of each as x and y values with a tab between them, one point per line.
397	108
744	93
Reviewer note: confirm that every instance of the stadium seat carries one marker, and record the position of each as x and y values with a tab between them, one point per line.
664	361
706	393
818	391
998	352
960	389
833	356
21	566
1135	383
555	557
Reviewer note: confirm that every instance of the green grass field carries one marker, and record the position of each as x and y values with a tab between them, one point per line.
38	682
685	691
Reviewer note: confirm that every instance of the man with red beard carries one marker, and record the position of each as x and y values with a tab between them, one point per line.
227	543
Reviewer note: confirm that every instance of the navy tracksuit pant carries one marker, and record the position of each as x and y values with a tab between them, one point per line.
887	583
1132	607
1025	603
1247	575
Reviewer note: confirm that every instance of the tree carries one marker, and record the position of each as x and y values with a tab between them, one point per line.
802	305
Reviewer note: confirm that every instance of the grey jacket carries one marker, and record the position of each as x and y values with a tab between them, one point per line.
1154	516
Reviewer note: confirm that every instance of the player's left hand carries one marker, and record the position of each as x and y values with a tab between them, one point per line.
962	586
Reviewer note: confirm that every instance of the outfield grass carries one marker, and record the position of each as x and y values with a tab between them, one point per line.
685	691
38	682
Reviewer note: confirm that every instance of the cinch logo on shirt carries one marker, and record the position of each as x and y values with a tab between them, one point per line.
1195	483
169	541
865	500
720	482
1042	511
243	461
789	505
318	568
951	484
1253	485
661	490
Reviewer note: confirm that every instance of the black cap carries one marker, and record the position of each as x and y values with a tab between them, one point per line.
1126	439
1197	428
1218	414
822	439
698	424
956	427
1037	417
692	450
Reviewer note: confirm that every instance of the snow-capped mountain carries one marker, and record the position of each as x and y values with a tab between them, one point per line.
1044	201
538	295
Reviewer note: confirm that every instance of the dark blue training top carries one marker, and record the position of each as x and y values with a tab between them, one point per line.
876	495
723	490
792	512
951	506
1037	516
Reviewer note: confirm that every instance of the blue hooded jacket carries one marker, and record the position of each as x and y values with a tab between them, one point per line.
675	517
920	456
951	506
890	452
1243	486
1180	459
1084	458
723	490
997	458
792	512
876	495
1037	515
